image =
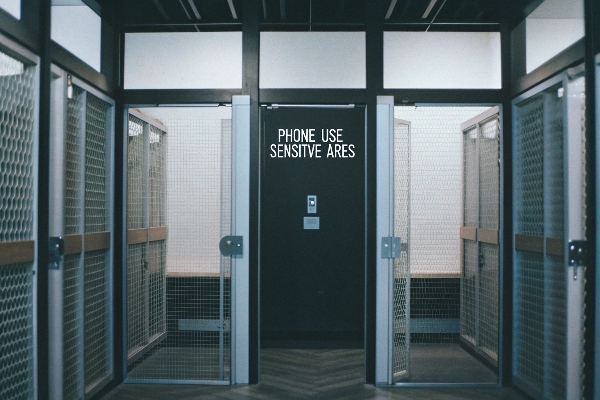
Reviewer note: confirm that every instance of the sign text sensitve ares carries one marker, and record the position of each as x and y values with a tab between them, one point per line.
302	143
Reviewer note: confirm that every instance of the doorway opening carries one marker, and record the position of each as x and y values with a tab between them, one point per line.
443	284
312	239
179	205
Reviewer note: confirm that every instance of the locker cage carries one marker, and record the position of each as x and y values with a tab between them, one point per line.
444	204
146	234
80	289
18	188
178	284
549	214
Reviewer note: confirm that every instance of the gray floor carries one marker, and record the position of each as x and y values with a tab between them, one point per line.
183	363
446	363
309	374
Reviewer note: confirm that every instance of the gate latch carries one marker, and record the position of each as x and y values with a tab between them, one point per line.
231	246
390	247
577	253
56	251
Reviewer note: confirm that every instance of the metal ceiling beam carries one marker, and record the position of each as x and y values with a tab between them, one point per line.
429	8
232	9
194	9
185	9
391	9
161	9
436	14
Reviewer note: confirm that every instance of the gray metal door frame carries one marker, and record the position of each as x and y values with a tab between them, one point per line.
240	226
390	248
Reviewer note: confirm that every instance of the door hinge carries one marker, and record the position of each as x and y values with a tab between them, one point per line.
577	253
56	251
232	246
390	247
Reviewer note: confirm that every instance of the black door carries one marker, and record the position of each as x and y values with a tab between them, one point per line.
312	280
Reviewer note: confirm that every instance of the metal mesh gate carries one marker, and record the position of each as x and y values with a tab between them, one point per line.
85	277
401	276
17	116
480	234
146	238
435	217
190	183
541	299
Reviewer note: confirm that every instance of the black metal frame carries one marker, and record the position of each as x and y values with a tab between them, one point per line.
33	31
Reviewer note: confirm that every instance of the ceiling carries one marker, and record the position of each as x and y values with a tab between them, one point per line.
202	15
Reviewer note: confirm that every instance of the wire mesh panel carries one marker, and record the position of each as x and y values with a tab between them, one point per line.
96	329
190	186
136	253
528	351
95	165
72	327
136	184
75	121
97	346
555	295
468	321
436	215
81	154
16	337
401	277
157	182
540	299
157	217
17	93
489	219
146	259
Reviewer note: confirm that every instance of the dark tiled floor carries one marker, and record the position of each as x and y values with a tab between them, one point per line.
307	374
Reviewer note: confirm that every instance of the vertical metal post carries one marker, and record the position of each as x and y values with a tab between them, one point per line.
385	126
81	275
574	230
240	226
146	218
55	277
477	245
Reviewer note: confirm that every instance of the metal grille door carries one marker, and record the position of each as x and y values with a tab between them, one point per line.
179	287
146	235
17	217
548	208
480	234
401	276
81	286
